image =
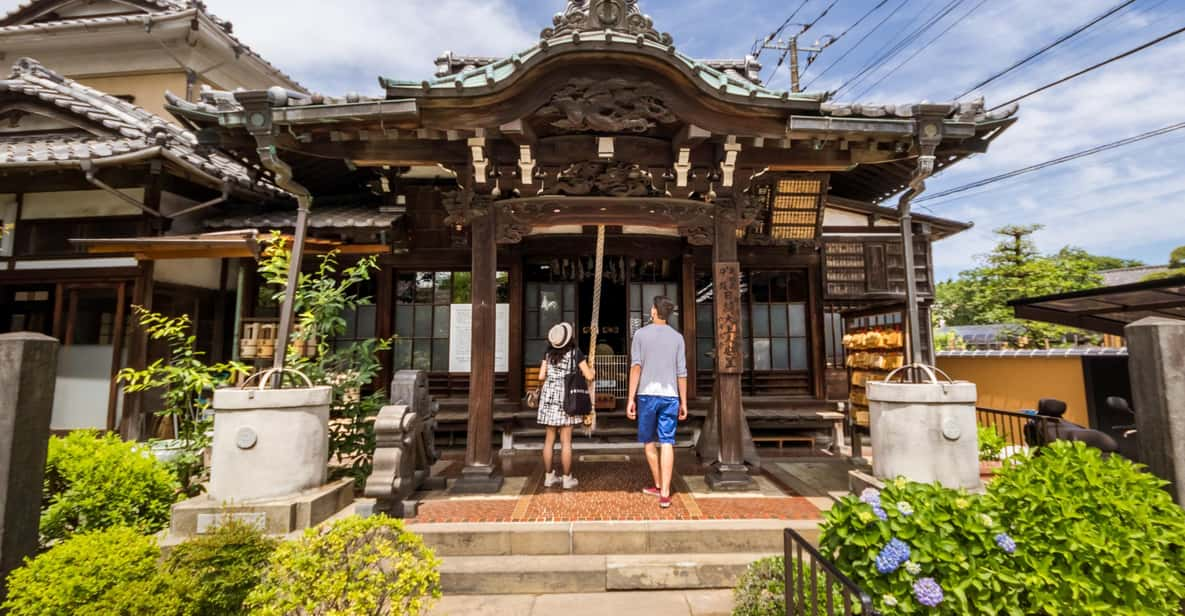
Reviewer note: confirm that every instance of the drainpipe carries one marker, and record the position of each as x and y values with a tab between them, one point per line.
89	169
211	203
917	186
929	133
304	200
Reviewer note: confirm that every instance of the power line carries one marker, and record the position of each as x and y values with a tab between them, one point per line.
1039	52
1088	69
1056	161
859	42
898	47
793	47
757	49
920	49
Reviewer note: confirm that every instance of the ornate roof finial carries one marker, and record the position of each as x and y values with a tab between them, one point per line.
619	15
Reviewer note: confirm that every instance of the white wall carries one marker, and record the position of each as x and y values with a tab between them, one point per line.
79	204
202	273
82	387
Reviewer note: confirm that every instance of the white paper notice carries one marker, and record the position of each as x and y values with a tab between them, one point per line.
461	337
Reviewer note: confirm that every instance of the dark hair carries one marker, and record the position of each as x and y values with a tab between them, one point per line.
664	307
555	356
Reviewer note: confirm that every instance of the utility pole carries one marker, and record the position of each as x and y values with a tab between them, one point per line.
789	47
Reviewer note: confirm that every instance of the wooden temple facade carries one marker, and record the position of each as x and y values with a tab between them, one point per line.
760	212
757	210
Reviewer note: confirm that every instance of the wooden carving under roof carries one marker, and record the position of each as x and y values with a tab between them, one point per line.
607	106
604	178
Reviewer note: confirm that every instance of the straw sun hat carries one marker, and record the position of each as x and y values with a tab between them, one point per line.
560	335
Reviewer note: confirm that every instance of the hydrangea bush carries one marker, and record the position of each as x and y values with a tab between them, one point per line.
1091	535
918	548
1063	532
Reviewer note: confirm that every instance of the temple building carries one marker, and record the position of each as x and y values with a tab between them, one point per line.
769	217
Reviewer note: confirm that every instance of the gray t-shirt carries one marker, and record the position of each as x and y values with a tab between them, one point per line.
659	350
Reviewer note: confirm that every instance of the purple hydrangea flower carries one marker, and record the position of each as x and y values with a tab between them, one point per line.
872	496
880	512
1006	543
927	592
892	556
886	563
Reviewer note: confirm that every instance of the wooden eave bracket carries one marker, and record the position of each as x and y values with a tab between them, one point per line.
728	168
481	164
526	165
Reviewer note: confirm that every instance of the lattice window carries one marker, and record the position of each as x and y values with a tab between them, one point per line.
791	208
797	211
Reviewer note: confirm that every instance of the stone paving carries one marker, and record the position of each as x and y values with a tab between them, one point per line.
610	489
653	603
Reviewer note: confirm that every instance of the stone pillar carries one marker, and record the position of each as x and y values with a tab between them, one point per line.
480	475
28	367
1156	356
729	472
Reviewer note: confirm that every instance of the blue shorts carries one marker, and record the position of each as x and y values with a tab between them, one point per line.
657	418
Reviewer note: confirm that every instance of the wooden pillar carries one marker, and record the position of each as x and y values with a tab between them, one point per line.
729	472
117	331
689	324
131	426
384	325
480	475
514	389
818	337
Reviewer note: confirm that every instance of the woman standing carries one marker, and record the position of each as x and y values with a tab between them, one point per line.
562	359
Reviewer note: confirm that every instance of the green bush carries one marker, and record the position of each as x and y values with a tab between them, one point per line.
890	542
1096	536
991	443
761	591
97	481
111	571
212	574
356	566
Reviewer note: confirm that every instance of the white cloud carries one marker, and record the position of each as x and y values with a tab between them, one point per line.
337	47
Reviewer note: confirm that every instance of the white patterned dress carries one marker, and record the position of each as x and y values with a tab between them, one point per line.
551	394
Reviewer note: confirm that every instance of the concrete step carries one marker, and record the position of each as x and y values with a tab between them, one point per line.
610	538
579	573
717	602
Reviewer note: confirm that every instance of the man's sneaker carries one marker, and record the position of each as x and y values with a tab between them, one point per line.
550	479
570	482
664	502
652	491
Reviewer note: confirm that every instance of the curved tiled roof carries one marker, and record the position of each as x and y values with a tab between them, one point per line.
166	9
112	126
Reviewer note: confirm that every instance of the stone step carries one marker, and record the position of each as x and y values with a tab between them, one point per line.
610	538
579	573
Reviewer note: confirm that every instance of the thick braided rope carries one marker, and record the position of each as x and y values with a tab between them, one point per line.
590	421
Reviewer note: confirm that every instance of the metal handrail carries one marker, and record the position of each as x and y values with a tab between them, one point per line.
804	601
1013	423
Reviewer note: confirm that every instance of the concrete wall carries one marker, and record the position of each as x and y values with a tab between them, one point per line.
1016	383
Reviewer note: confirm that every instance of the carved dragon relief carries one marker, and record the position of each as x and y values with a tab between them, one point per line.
607	106
518	218
464	206
619	15
604	178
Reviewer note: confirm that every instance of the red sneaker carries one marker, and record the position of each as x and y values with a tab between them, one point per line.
652	491
664	502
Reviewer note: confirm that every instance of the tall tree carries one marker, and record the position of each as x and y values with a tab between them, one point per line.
1015	269
1176	265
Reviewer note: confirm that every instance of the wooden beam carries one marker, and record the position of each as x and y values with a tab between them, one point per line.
117	331
519	132
690	322
514	389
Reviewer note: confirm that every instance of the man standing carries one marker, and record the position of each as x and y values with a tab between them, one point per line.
658	394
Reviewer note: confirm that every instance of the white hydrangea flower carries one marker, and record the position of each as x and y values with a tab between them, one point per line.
987	520
912	568
905	508
889	600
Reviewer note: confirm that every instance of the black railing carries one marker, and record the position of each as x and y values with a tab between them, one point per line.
814	586
1019	430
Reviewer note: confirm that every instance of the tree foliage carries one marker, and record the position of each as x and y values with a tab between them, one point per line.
323	299
1015	269
1176	265
187	385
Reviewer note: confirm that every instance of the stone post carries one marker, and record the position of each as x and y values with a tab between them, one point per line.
1156	356
28	367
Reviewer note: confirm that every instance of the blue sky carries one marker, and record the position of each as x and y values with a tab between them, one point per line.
1129	202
